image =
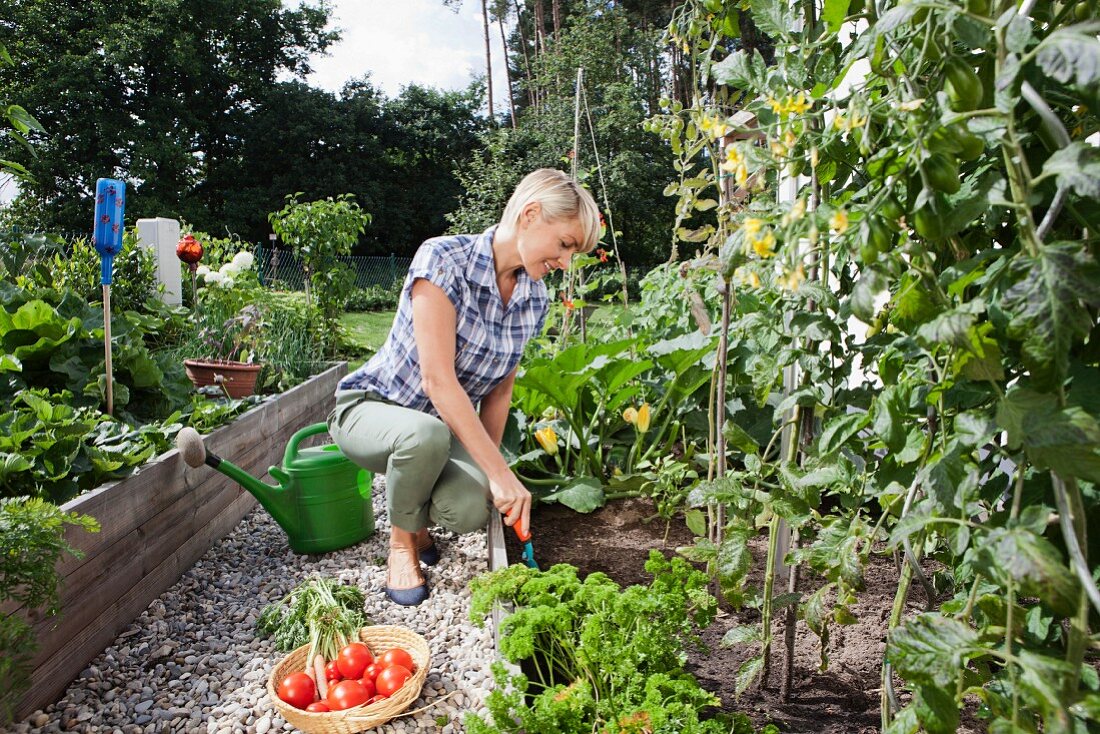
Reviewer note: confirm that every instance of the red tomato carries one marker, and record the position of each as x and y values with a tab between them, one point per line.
396	656
298	689
318	707
346	694
354	659
368	683
373	670
391	679
332	671
375	699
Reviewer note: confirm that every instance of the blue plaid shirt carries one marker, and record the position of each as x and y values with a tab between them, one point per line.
490	338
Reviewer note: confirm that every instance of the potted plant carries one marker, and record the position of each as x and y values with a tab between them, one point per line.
230	364
230	325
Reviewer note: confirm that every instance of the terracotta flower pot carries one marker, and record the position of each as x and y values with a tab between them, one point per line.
238	378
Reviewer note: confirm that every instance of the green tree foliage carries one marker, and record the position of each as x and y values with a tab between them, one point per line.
154	91
616	52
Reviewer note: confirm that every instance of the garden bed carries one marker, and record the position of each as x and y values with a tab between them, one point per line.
155	525
617	538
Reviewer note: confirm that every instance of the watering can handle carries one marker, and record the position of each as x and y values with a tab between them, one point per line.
292	446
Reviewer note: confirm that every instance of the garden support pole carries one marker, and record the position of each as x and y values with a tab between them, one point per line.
107	349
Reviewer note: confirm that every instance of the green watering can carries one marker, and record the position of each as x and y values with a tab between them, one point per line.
322	501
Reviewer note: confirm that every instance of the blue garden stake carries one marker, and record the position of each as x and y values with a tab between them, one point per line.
110	207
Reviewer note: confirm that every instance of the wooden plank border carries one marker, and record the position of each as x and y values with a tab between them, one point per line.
156	524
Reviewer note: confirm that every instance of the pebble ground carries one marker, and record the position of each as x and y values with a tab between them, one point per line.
192	662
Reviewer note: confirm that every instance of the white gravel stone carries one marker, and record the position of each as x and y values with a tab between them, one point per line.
191	661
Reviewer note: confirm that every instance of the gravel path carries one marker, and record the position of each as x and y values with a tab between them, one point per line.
192	663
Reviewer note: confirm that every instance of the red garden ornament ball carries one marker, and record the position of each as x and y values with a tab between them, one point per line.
189	250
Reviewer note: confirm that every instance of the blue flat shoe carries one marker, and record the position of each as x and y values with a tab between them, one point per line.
408	597
430	555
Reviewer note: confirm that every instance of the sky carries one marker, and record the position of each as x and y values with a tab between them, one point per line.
402	42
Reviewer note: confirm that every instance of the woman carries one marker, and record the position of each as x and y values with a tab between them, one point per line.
429	408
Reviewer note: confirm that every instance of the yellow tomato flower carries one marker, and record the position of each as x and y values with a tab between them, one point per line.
752	226
790	139
630	415
839	221
643	418
776	105
763	245
777	148
741	175
799	105
910	105
548	439
793	279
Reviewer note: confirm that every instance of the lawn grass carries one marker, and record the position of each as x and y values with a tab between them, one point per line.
364	333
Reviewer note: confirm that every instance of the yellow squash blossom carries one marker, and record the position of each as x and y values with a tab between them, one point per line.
630	415
548	439
643	418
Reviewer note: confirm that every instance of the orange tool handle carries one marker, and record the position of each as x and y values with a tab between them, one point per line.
523	537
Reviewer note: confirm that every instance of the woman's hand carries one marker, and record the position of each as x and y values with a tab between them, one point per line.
512	498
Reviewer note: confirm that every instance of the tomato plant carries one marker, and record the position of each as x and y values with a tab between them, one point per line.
298	689
391	679
926	169
354	659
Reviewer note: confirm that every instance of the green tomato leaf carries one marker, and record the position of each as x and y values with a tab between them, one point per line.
1072	55
1077	167
834	13
1064	440
1046	305
748	673
931	648
1033	563
741	634
738	438
840	430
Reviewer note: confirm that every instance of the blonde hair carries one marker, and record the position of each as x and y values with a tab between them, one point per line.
559	198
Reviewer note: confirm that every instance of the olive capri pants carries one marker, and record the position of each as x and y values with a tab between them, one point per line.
430	478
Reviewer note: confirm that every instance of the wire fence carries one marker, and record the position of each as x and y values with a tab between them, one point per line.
282	269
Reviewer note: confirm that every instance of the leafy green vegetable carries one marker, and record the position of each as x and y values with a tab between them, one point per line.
32	541
319	611
598	655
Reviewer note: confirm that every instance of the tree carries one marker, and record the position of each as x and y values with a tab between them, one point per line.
155	90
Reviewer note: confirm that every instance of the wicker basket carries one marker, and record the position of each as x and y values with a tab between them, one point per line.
378	638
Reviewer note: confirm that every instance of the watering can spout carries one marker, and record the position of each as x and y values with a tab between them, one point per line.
274	498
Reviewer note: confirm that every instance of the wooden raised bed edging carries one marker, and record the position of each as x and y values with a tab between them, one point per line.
156	524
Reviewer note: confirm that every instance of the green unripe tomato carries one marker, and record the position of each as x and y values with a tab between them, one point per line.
891	211
713	6
878	236
978	7
963	87
942	172
928	223
972	146
1082	10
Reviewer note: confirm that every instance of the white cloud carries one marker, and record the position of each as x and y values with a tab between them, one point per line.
402	42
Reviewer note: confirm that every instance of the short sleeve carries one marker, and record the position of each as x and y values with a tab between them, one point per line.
432	264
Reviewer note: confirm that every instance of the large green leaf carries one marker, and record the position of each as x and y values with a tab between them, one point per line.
1033	563
1077	167
583	495
888	412
1047	305
931	648
834	13
1066	440
840	430
1072	55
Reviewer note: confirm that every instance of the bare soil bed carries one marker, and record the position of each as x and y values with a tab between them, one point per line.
844	699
